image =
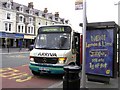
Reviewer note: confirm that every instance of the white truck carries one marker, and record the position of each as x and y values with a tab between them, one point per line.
55	46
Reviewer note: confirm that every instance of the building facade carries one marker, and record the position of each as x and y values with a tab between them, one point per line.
25	23
7	24
20	23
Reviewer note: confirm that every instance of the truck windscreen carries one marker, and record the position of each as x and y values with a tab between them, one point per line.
53	41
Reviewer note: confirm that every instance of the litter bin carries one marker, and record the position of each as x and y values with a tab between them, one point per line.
71	79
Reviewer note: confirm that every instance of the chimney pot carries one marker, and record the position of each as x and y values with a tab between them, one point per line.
30	5
45	10
57	14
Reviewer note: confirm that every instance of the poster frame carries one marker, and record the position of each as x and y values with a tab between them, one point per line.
102	26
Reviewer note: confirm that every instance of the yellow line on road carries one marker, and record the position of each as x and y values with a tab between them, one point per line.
24	65
17	75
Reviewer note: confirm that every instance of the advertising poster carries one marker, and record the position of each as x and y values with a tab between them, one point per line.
99	52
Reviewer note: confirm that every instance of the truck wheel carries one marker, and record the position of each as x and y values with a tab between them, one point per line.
72	63
35	73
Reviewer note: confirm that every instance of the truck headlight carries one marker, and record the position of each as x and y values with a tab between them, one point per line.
62	60
31	59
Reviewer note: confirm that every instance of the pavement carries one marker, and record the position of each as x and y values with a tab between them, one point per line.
90	85
13	50
113	84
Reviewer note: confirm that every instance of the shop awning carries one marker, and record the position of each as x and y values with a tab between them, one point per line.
29	37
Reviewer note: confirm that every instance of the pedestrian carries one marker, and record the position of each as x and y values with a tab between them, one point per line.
20	45
4	44
8	46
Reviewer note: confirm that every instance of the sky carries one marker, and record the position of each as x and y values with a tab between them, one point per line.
96	10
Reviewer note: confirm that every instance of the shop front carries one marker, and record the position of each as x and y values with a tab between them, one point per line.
19	37
2	39
28	40
10	39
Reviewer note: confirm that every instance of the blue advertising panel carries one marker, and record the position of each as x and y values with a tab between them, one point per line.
99	52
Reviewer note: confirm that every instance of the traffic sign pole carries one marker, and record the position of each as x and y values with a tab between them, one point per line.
83	79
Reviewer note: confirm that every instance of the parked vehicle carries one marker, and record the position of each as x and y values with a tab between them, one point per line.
31	47
55	46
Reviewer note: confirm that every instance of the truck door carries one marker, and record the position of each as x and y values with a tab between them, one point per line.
77	47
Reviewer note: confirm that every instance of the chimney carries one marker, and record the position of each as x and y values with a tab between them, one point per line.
45	10
30	5
56	14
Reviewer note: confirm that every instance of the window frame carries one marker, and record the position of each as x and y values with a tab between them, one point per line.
9	16
20	28
8	27
30	19
9	6
21	8
21	18
30	29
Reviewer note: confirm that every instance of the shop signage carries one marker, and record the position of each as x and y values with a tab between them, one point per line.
2	34
29	37
10	35
19	35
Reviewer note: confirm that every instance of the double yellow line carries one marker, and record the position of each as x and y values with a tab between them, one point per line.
17	75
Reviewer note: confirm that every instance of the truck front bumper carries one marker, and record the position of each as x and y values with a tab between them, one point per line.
46	68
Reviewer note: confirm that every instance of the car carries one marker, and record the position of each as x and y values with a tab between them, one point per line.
31	47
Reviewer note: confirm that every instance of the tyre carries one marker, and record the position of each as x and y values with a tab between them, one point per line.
72	63
35	73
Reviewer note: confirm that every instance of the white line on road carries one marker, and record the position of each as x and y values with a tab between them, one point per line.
14	53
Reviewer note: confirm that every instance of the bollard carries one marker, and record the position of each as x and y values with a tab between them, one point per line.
71	79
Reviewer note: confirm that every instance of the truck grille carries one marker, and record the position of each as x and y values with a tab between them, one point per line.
45	60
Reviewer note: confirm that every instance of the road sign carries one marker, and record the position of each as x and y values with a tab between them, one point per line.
78	4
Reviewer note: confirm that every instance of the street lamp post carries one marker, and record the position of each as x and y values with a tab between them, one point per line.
83	79
81	4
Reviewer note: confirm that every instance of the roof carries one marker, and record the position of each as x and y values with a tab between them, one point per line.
101	24
15	6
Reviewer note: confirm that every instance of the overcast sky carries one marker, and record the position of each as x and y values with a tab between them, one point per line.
97	10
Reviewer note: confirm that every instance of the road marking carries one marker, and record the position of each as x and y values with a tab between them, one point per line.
24	65
11	73
17	56
25	77
14	52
